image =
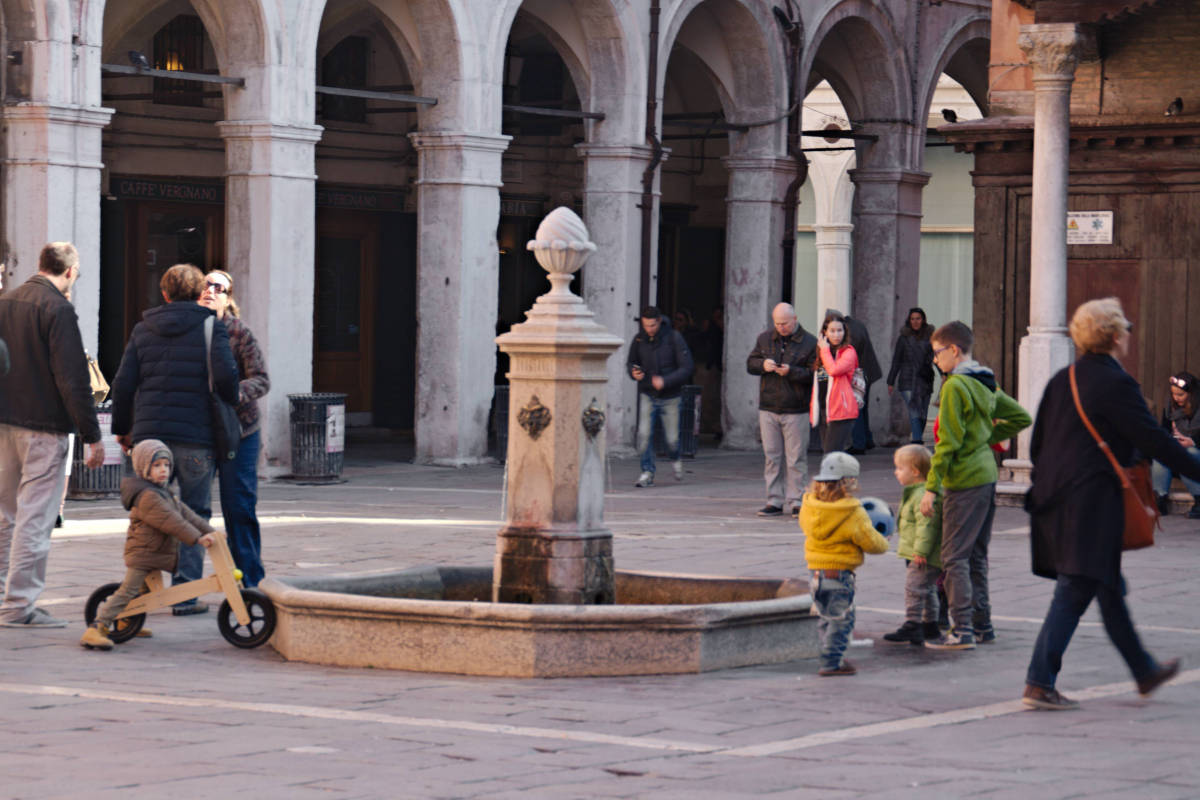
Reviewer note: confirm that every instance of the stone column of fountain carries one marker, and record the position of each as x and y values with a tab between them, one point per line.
553	548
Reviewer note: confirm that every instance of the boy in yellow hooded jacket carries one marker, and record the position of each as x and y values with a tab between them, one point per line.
837	531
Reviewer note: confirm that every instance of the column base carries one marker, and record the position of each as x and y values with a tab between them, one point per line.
1041	355
1013	487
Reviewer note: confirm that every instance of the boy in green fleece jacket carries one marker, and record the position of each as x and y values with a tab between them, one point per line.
972	416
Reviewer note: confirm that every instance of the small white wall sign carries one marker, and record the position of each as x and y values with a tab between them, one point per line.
1089	227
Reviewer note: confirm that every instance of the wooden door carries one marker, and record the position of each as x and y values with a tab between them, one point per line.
344	309
1119	278
166	234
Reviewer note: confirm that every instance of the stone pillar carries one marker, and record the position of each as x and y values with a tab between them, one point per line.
52	193
270	184
833	268
612	197
458	266
753	282
1052	51
554	548
887	252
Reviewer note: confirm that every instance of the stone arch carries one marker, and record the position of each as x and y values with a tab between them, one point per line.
739	43
599	41
963	54
432	37
238	29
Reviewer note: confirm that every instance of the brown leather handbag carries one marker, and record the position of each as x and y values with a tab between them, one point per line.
1141	512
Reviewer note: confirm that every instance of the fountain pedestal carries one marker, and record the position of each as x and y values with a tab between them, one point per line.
554	548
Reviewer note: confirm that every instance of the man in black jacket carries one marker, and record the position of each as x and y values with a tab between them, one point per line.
659	360
46	395
783	356
161	392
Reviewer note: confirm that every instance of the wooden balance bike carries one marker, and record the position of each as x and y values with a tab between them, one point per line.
246	618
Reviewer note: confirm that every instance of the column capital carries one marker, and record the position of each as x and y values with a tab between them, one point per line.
265	129
760	163
458	140
631	152
1053	50
892	175
25	112
759	179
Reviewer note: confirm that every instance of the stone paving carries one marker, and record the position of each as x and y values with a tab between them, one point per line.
187	715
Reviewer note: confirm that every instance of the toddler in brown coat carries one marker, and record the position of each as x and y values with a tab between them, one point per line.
157	522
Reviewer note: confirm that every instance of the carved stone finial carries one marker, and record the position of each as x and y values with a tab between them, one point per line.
534	417
561	247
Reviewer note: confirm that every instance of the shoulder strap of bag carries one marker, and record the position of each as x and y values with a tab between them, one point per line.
1095	435
208	333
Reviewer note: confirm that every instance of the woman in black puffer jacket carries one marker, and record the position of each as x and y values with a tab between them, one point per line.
912	370
1182	418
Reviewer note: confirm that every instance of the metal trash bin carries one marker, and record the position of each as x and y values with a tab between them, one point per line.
105	480
689	424
318	431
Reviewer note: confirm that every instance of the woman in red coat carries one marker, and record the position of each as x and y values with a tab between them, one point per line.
833	407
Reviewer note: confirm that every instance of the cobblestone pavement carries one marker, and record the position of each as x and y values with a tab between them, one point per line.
184	714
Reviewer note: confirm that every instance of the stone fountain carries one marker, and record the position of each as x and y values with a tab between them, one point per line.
552	605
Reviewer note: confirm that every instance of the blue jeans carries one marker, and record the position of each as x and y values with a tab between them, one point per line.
238	480
916	418
651	410
1072	595
1161	476
834	600
195	466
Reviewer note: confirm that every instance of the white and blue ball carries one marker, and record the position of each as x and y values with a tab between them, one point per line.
881	515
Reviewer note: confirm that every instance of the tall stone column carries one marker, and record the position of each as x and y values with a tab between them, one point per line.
1053	51
833	268
52	193
458	266
887	253
270	190
612	197
554	548
753	281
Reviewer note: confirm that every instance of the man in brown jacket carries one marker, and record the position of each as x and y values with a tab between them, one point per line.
157	523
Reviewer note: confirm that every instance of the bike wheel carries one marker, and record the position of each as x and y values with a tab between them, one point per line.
262	620
123	629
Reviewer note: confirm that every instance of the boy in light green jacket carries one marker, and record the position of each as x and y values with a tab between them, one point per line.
920	544
972	416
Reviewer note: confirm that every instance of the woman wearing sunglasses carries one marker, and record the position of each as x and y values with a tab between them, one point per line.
1182	418
238	478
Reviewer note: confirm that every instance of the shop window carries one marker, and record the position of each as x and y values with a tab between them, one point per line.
179	47
345	66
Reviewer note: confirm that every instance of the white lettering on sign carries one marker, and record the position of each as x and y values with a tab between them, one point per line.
335	428
1089	227
112	450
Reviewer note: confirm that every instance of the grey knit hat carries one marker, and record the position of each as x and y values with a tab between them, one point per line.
145	453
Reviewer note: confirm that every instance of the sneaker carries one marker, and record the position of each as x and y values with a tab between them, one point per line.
1048	699
678	467
644	480
96	638
931	630
796	511
846	668
985	635
38	618
952	641
910	632
1164	673
770	511
1164	504
189	609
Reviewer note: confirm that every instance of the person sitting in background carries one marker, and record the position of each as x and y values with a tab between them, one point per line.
1182	418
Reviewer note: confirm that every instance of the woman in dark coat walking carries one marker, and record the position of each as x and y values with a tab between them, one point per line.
1077	513
912	370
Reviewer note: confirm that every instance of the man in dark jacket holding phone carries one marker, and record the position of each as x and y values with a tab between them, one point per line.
659	360
783	356
45	395
161	391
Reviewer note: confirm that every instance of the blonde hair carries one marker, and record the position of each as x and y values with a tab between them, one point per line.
915	456
829	491
1096	324
231	306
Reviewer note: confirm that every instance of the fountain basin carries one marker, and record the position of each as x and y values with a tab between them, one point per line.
441	619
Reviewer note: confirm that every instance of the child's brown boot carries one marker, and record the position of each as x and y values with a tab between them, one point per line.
96	638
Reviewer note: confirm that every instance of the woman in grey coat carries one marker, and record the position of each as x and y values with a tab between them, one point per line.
912	370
